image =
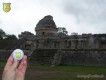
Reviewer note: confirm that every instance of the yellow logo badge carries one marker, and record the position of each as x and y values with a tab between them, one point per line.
18	54
6	7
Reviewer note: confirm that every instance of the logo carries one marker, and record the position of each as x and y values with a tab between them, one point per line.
6	7
18	54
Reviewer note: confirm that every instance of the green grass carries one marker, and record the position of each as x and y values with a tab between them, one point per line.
62	72
91	69
88	69
2	64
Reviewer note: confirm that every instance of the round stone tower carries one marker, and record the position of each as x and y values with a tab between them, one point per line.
46	26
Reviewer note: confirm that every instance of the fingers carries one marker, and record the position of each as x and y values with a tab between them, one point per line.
14	65
9	63
23	64
21	69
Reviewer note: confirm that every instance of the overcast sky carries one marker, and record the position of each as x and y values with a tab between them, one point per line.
80	16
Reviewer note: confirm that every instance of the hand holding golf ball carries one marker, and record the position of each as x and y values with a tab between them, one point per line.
18	54
15	69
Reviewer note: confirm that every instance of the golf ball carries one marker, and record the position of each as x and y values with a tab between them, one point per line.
18	54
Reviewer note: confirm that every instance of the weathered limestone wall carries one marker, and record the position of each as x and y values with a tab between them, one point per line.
87	58
57	57
74	57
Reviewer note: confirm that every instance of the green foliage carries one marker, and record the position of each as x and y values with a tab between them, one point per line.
1	38
4	36
2	32
11	37
62	30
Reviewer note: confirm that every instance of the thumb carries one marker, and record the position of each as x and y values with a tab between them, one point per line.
15	64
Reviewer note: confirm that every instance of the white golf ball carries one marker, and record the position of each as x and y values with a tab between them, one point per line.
18	54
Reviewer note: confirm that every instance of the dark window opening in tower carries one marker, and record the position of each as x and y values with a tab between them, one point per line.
43	33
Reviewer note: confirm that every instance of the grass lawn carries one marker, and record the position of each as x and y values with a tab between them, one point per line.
65	72
62	72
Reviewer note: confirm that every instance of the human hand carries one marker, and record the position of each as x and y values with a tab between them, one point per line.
14	72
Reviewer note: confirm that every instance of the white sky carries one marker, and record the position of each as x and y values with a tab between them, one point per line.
81	16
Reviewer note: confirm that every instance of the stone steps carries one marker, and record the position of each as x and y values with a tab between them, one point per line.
43	56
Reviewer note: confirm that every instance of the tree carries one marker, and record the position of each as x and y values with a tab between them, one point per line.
2	34
5	36
10	37
62	30
1	38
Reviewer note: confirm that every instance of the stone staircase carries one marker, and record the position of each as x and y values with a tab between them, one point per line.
43	56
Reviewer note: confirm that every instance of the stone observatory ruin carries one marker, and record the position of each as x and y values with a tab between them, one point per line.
52	45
